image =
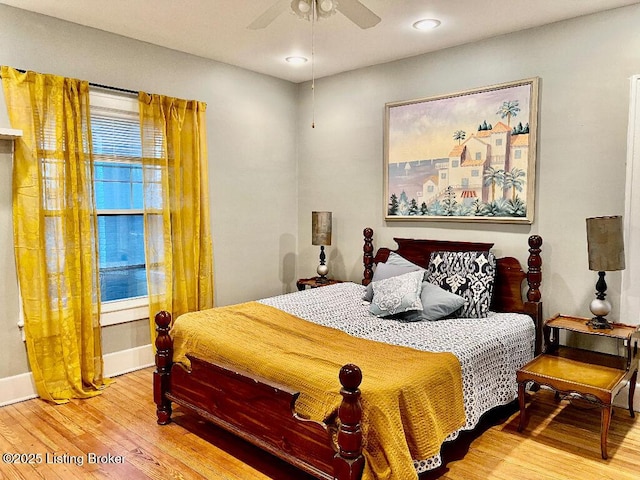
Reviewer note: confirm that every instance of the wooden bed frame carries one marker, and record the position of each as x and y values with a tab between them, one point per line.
262	412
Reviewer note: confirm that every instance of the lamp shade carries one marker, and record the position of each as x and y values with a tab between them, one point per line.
605	242
321	228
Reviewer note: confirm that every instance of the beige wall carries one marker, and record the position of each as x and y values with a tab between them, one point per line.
584	66
269	169
252	151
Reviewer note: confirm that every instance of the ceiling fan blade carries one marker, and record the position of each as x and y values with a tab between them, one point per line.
358	13
269	15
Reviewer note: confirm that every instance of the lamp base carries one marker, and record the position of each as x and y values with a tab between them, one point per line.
599	306
599	323
322	269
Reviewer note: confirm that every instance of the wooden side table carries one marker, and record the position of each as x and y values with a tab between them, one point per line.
592	376
315	282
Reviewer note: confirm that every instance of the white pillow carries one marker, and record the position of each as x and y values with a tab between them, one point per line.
395	295
386	270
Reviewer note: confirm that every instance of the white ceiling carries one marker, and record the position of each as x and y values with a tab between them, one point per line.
217	29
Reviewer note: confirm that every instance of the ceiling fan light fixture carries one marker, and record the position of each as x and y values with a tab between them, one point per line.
310	9
427	24
303	6
326	6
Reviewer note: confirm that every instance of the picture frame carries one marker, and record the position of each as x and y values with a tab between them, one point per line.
468	156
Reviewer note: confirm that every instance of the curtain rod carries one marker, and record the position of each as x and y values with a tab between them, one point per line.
98	85
117	89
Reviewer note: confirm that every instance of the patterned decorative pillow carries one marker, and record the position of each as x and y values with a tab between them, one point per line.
468	274
397	294
388	270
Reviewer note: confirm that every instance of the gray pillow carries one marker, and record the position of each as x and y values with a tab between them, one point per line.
397	294
436	304
396	259
387	270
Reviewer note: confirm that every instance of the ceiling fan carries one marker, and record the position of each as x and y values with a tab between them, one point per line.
352	9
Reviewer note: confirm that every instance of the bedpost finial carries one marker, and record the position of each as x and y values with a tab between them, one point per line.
350	376
368	232
163	319
535	241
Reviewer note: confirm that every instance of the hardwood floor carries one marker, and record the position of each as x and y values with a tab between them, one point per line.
562	441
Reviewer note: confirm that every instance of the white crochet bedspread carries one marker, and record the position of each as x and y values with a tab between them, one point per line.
490	349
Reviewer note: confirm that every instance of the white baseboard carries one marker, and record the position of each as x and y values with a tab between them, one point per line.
22	387
125	361
17	389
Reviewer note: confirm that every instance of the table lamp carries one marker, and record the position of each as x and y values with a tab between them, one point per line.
321	235
605	242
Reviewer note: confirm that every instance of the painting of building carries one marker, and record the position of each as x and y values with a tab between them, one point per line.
467	156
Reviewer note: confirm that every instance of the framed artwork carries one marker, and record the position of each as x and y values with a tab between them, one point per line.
468	156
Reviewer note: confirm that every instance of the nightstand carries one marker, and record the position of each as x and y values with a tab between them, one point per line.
593	376
315	282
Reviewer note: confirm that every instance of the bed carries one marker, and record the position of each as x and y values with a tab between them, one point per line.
278	413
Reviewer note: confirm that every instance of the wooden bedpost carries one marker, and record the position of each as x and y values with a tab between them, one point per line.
367	256
348	463
164	360
534	279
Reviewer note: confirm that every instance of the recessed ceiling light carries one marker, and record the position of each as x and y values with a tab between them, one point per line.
296	60
426	24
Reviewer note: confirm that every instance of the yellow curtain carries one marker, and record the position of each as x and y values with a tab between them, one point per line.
54	221
176	201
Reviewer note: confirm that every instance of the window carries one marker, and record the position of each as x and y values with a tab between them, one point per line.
455	163
115	130
498	142
518	153
478	155
120	230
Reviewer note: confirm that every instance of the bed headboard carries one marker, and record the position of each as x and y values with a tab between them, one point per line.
508	288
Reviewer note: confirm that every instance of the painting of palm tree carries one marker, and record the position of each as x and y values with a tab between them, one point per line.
493	177
457	157
509	110
514	179
459	135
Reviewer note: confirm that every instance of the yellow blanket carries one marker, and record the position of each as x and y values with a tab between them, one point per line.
411	399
